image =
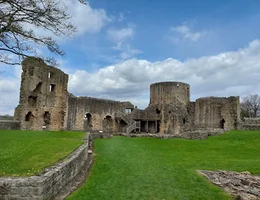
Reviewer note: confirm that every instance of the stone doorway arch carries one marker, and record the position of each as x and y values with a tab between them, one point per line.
108	124
28	116
222	123
88	122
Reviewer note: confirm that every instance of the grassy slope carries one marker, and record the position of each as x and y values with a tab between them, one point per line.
24	153
146	168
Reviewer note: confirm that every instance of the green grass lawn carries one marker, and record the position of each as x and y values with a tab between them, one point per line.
154	169
25	153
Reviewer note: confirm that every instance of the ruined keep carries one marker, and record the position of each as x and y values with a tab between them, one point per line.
46	104
43	96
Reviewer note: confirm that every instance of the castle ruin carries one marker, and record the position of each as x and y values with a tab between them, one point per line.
46	104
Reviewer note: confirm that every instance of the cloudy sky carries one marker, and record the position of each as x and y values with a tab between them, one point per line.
123	46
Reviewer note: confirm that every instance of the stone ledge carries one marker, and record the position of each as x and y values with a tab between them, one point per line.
51	182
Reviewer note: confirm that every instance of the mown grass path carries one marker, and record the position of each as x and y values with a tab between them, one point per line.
25	153
154	169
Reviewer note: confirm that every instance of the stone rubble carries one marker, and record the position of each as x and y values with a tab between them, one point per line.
242	185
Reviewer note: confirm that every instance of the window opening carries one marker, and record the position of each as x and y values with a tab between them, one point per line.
128	110
28	116
52	87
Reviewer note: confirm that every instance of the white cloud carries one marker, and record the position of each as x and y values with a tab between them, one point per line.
86	18
121	39
10	79
225	74
120	17
120	35
186	33
128	51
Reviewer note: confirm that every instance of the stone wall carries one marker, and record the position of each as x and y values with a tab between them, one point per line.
9	125
217	112
48	184
92	114
252	121
250	124
192	135
249	127
43	96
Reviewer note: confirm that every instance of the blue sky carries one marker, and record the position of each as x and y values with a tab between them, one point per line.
230	25
123	46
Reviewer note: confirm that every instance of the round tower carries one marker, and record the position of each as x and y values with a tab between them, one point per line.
168	92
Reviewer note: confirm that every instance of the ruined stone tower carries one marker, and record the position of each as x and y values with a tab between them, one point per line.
43	96
169	92
169	100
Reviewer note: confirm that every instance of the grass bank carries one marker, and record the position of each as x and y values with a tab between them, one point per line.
154	169
25	153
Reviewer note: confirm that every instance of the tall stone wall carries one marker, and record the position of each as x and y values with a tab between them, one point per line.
216	112
92	114
167	92
43	96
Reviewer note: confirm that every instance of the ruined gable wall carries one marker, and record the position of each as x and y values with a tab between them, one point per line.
43	96
210	111
78	107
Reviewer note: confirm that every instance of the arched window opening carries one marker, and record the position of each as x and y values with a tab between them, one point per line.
47	118
107	124
88	119
28	116
222	124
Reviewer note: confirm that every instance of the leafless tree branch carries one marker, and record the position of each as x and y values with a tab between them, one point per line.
250	105
19	18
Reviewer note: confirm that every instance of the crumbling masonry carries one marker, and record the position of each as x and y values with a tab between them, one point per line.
46	104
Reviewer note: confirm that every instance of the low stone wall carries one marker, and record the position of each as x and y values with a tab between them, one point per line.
9	125
51	182
193	135
251	127
200	134
97	135
255	120
252	124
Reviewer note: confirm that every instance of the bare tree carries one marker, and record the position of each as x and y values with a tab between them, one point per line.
20	18
250	106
